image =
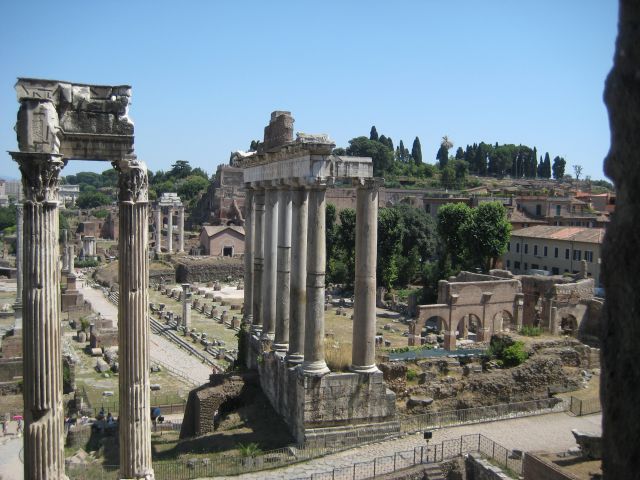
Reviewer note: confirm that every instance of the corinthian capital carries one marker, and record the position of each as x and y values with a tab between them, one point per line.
40	175
133	180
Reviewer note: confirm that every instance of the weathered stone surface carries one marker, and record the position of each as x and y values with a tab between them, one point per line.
590	444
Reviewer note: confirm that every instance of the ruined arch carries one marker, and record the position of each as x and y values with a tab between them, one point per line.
503	321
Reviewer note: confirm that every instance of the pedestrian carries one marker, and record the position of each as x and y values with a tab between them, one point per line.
19	431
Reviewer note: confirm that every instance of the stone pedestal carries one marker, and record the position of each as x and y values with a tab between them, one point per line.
43	405
283	287
363	354
298	293
270	276
314	362
133	324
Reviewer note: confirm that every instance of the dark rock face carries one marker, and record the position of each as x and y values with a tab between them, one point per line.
620	382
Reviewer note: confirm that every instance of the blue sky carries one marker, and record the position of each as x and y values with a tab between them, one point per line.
206	75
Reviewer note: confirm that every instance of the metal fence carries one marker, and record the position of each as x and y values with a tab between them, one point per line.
400	460
587	406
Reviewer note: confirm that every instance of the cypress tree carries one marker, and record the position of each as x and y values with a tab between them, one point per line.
416	151
373	135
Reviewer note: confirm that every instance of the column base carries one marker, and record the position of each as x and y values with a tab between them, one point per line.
315	369
294	359
247	319
256	330
281	347
367	369
267	337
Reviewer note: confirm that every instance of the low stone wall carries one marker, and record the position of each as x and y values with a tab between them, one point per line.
208	269
480	469
535	467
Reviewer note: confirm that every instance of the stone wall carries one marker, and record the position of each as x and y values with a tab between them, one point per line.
537	468
9	369
202	270
480	469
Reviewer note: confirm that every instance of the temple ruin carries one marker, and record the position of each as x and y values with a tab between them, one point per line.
57	122
166	207
285	253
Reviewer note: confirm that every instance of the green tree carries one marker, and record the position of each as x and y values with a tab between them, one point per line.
459	154
559	164
373	134
191	186
346	243
451	218
486	234
577	170
381	155
7	216
180	169
92	200
331	233
418	244
389	246
443	152
416	151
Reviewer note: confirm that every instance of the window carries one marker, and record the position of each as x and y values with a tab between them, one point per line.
516	265
526	266
509	247
577	255
567	253
427	207
558	210
535	266
526	248
535	249
555	271
588	255
538	210
555	252
544	251
508	263
517	248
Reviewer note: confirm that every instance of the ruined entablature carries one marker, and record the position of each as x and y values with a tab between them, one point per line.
80	121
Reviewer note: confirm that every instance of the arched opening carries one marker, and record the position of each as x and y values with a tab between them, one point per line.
569	325
503	322
433	326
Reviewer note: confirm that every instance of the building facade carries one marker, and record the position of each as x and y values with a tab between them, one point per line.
557	250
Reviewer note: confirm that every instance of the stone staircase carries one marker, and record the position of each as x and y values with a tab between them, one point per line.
433	471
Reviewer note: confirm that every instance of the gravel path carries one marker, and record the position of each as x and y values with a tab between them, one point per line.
551	432
162	351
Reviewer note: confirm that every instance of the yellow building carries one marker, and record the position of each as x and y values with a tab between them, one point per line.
557	250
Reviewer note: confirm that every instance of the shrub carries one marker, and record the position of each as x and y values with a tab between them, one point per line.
338	356
530	331
249	449
514	355
411	374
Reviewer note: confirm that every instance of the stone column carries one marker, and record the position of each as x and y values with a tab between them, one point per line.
17	306
159	230
258	258
181	229
170	230
298	302
314	363
43	403
283	287
363	353
270	276
133	322
71	253
65	253
186	306
248	256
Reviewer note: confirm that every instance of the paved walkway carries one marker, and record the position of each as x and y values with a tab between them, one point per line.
550	432
11	467
162	351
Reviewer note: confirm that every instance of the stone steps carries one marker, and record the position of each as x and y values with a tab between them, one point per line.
433	471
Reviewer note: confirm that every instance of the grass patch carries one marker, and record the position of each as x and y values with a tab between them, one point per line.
530	331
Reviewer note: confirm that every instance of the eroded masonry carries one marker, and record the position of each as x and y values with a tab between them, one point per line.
285	256
59	121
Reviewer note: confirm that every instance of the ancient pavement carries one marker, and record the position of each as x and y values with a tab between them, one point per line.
162	351
544	432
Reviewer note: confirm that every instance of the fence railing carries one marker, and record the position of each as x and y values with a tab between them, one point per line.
587	406
399	460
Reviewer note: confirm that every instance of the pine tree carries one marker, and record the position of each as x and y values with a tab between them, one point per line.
459	154
400	153
373	135
416	151
383	140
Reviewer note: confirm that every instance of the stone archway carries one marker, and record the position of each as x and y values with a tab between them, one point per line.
569	324
503	322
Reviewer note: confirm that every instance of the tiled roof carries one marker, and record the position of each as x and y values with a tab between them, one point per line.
572	234
212	230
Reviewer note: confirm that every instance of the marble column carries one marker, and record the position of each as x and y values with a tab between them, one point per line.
314	363
133	322
181	230
298	299
159	230
258	258
170	230
283	286
17	306
65	253
248	257
43	402
71	253
186	305
270	275
363	353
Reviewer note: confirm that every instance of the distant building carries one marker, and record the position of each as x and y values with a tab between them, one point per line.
557	250
561	211
68	194
222	240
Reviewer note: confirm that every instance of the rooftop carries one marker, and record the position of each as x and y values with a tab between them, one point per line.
572	234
